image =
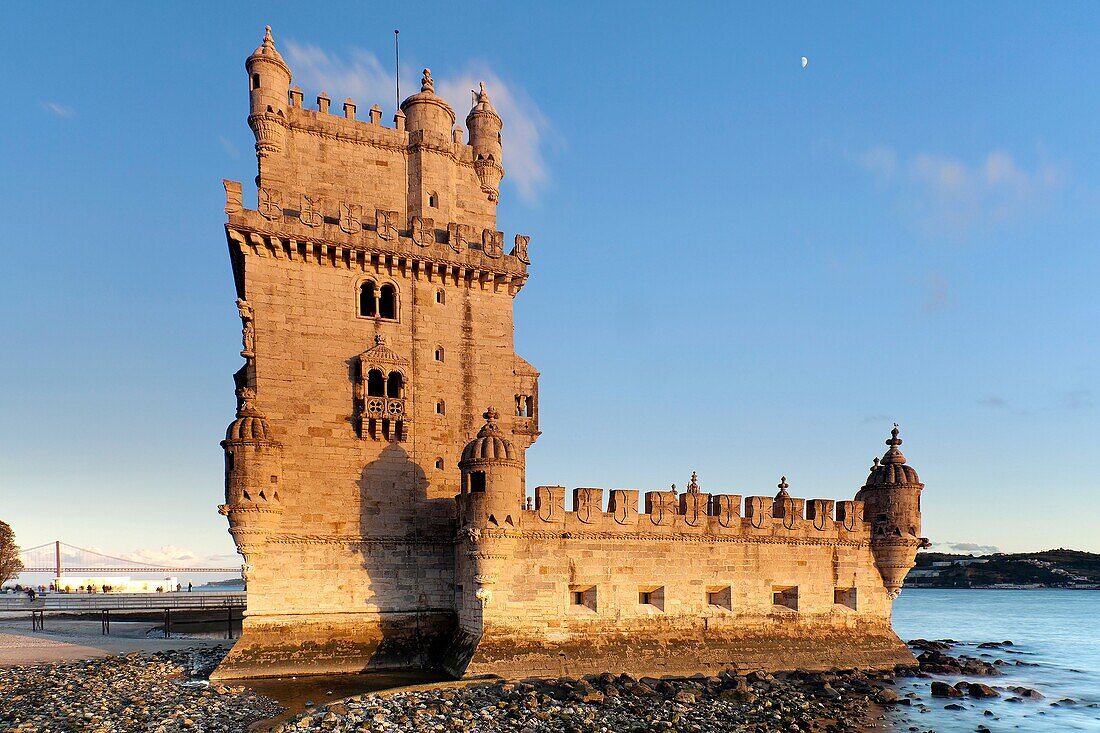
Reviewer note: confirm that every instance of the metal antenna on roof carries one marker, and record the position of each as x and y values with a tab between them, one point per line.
397	64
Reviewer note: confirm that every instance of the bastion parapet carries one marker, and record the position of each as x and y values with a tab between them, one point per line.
382	512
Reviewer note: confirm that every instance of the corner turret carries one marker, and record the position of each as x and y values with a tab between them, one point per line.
492	477
484	125
253	468
891	500
269	93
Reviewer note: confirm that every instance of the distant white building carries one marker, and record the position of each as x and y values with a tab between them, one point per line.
117	584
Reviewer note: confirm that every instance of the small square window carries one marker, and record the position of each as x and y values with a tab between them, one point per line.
651	598
582	598
785	596
845	597
440	297
720	597
440	408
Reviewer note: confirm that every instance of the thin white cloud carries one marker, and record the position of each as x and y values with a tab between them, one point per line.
365	79
59	109
229	147
968	548
958	196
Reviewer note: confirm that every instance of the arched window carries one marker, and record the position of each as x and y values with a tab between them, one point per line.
440	407
433	200
439	464
376	383
440	296
393	385
367	302
387	302
439	353
255	81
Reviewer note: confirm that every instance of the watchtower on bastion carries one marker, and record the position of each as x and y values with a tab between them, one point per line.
375	294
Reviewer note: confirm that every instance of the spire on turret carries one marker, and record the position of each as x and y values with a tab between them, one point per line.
693	485
782	486
893	455
426	83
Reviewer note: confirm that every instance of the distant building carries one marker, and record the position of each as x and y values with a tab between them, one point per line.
381	509
117	584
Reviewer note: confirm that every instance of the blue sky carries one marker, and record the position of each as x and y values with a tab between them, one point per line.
741	266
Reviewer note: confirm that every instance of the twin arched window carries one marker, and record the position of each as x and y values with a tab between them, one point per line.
383	385
378	302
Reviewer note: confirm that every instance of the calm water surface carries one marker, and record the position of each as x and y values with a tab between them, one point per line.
1057	629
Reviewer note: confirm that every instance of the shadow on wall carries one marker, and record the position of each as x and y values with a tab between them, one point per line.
407	553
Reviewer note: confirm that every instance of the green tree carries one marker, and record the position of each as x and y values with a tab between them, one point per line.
10	564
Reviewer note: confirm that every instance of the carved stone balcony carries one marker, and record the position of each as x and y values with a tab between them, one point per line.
377	408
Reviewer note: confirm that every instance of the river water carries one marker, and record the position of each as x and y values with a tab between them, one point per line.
1058	630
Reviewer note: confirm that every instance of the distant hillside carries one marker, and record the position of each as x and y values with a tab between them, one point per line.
1050	568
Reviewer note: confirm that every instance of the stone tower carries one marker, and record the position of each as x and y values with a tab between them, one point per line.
375	294
891	503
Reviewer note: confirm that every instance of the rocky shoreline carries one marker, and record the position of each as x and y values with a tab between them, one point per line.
163	692
167	692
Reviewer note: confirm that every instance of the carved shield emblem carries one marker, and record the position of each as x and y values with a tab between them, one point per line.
822	514
755	508
423	231
492	243
458	236
270	203
583	505
310	211
351	218
546	502
520	250
385	223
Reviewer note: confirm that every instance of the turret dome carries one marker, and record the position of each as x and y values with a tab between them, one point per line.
266	52
892	470
490	443
250	426
482	108
425	110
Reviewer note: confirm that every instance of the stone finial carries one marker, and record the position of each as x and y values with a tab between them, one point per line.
269	42
349	108
893	455
782	486
693	485
491	415
376	115
323	102
481	95
426	82
380	339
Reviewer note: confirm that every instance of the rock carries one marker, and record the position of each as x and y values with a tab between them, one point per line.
685	697
886	696
942	689
976	689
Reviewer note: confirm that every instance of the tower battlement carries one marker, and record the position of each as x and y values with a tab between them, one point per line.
418	168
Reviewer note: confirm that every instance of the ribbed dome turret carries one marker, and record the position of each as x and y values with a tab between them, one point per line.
892	470
490	443
249	427
266	52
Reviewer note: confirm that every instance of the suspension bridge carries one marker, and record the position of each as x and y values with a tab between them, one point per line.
59	557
